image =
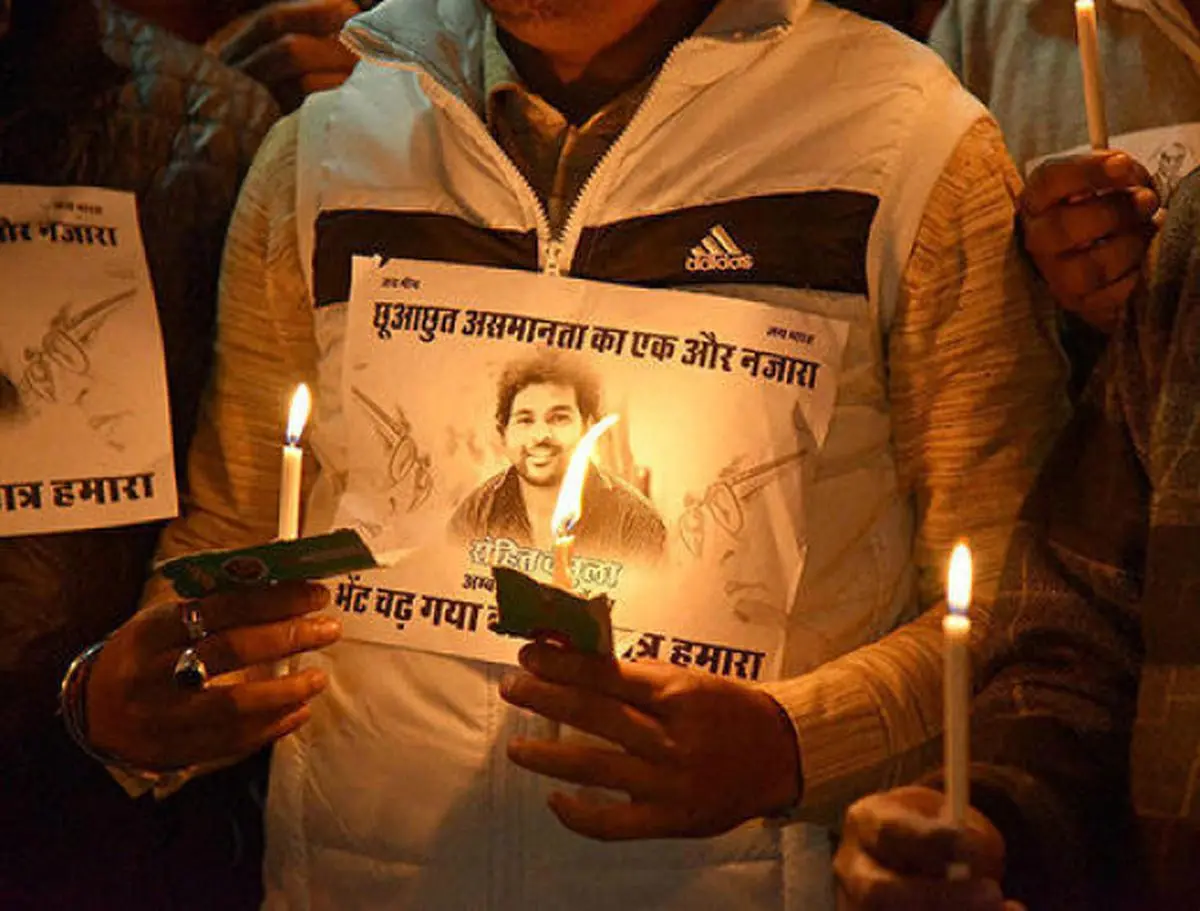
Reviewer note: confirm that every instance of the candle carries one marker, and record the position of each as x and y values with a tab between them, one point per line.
1093	73
569	505
564	544
293	461
956	633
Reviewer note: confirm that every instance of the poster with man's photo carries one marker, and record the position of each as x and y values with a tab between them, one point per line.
467	390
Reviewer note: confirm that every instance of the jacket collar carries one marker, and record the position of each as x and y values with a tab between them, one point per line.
509	501
446	37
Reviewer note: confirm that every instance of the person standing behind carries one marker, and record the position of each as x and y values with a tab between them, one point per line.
604	140
1021	59
913	17
1087	706
100	98
1087	218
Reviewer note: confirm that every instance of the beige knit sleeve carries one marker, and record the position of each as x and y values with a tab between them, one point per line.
977	389
264	347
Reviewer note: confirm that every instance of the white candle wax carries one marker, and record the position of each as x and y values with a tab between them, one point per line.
1093	73
291	469
957	632
289	493
956	635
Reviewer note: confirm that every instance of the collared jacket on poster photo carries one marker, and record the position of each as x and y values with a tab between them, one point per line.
846	159
618	523
106	100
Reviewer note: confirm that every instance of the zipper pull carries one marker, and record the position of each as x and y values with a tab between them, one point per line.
550	259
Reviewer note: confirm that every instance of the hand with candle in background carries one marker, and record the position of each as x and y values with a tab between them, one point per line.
1088	221
140	716
136	712
697	754
895	849
913	847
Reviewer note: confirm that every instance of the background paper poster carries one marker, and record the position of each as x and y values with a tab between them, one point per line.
85	433
1168	153
464	393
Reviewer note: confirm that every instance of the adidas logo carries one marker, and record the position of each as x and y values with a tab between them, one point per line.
718	253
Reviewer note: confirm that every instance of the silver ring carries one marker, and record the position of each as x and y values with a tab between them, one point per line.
191	673
193	623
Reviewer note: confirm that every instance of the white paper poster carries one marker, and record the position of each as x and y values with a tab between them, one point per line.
85	435
1168	153
465	391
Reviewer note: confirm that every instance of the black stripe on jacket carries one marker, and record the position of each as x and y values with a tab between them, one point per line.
815	240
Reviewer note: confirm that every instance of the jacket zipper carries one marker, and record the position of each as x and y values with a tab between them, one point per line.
551	247
638	116
471	121
551	262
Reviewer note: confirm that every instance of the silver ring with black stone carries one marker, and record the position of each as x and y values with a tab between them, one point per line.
191	673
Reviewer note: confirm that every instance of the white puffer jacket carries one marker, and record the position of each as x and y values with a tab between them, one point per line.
815	138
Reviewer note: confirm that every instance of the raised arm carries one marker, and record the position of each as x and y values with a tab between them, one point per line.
976	385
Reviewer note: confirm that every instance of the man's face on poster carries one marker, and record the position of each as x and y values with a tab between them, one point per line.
542	431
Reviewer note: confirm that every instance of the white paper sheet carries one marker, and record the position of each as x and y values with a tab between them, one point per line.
721	401
85	435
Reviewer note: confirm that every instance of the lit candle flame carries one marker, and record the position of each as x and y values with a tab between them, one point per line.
569	506
298	413
958	580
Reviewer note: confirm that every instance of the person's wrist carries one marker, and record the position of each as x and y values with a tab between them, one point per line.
787	781
72	705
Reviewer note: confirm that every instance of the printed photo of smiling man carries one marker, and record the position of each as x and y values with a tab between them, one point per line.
544	406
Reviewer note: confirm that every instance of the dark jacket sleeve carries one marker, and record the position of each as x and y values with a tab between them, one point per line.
1058	667
1061	653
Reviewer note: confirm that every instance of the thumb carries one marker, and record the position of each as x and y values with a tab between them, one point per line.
981	845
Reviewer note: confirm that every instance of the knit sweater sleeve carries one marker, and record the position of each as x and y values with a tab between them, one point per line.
976	387
264	347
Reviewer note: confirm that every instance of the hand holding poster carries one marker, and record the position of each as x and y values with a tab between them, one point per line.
465	393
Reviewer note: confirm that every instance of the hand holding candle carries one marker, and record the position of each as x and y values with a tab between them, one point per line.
1093	73
293	462
956	631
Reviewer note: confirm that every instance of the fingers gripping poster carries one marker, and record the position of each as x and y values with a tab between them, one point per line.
85	432
465	393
